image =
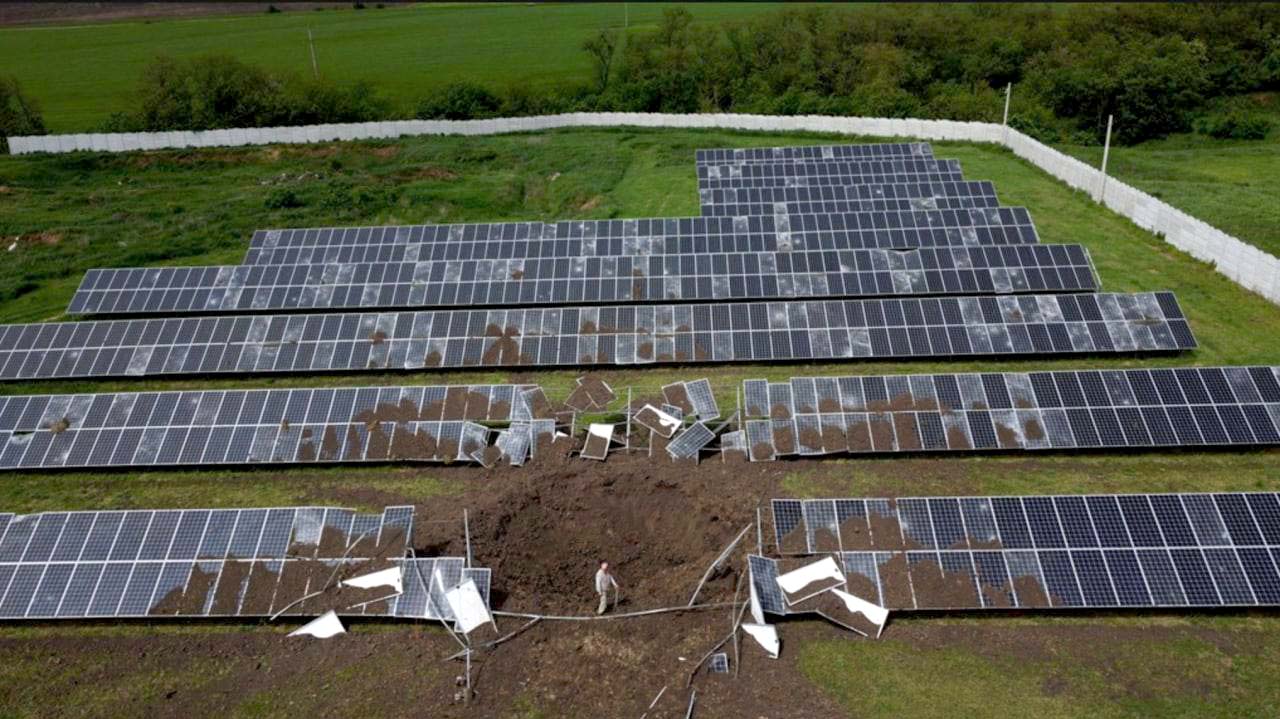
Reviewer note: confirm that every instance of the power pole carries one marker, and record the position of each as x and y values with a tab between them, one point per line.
1106	152
626	16
311	42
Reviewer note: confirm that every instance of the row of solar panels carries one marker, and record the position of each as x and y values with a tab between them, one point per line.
369	424
689	277
608	335
228	588
218	563
687	259
1038	552
1234	406
1031	411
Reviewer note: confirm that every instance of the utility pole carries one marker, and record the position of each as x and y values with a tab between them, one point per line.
1008	93
626	16
1106	152
311	42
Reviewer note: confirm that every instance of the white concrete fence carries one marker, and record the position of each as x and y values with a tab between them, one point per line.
1241	262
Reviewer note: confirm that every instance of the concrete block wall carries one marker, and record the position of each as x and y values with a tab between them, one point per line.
1241	262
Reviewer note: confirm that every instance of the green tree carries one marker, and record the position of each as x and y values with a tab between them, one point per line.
602	47
19	114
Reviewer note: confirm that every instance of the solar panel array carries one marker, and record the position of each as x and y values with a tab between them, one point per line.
350	424
1137	550
1136	408
217	563
827	199
797	174
811	153
601	335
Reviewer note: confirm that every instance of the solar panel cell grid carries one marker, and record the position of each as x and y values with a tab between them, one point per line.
1099	566
1015	411
256	426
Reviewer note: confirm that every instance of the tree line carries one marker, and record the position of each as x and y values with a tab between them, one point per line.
1159	69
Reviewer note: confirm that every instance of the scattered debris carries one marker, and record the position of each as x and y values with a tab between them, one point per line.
599	439
322	627
810	580
393	578
657	421
469	608
766	635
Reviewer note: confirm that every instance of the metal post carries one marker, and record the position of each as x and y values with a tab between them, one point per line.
1008	93
627	409
1106	152
311	42
759	535
466	530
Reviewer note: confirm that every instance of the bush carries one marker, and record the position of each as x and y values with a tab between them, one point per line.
282	198
215	92
19	114
458	101
1235	122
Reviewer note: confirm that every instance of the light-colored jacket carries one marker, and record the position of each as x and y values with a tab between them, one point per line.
604	580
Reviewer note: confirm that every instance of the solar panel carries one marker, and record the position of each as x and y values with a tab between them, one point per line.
806	174
600	335
584	238
350	424
193	562
688	443
1091	551
811	272
829	199
823	153
1085	409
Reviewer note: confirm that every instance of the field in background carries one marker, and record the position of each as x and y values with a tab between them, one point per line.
81	74
190	207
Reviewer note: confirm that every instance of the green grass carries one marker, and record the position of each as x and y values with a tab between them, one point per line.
81	74
1230	184
1223	667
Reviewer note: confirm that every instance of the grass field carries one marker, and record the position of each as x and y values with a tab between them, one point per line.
81	211
1232	185
82	74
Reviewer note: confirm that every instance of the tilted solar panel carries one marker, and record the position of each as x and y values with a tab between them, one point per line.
364	424
713	177
1077	409
599	238
827	199
602	335
1081	551
821	153
656	278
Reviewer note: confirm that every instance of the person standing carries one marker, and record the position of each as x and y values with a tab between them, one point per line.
604	582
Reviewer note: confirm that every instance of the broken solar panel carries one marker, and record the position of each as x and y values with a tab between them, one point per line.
718	663
229	587
812	153
1137	550
584	238
602	335
799	272
829	199
191	562
1076	409
364	424
806	174
702	399
688	443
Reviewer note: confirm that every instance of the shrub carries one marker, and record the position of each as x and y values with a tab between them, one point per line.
282	198
213	92
19	114
1235	122
458	101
